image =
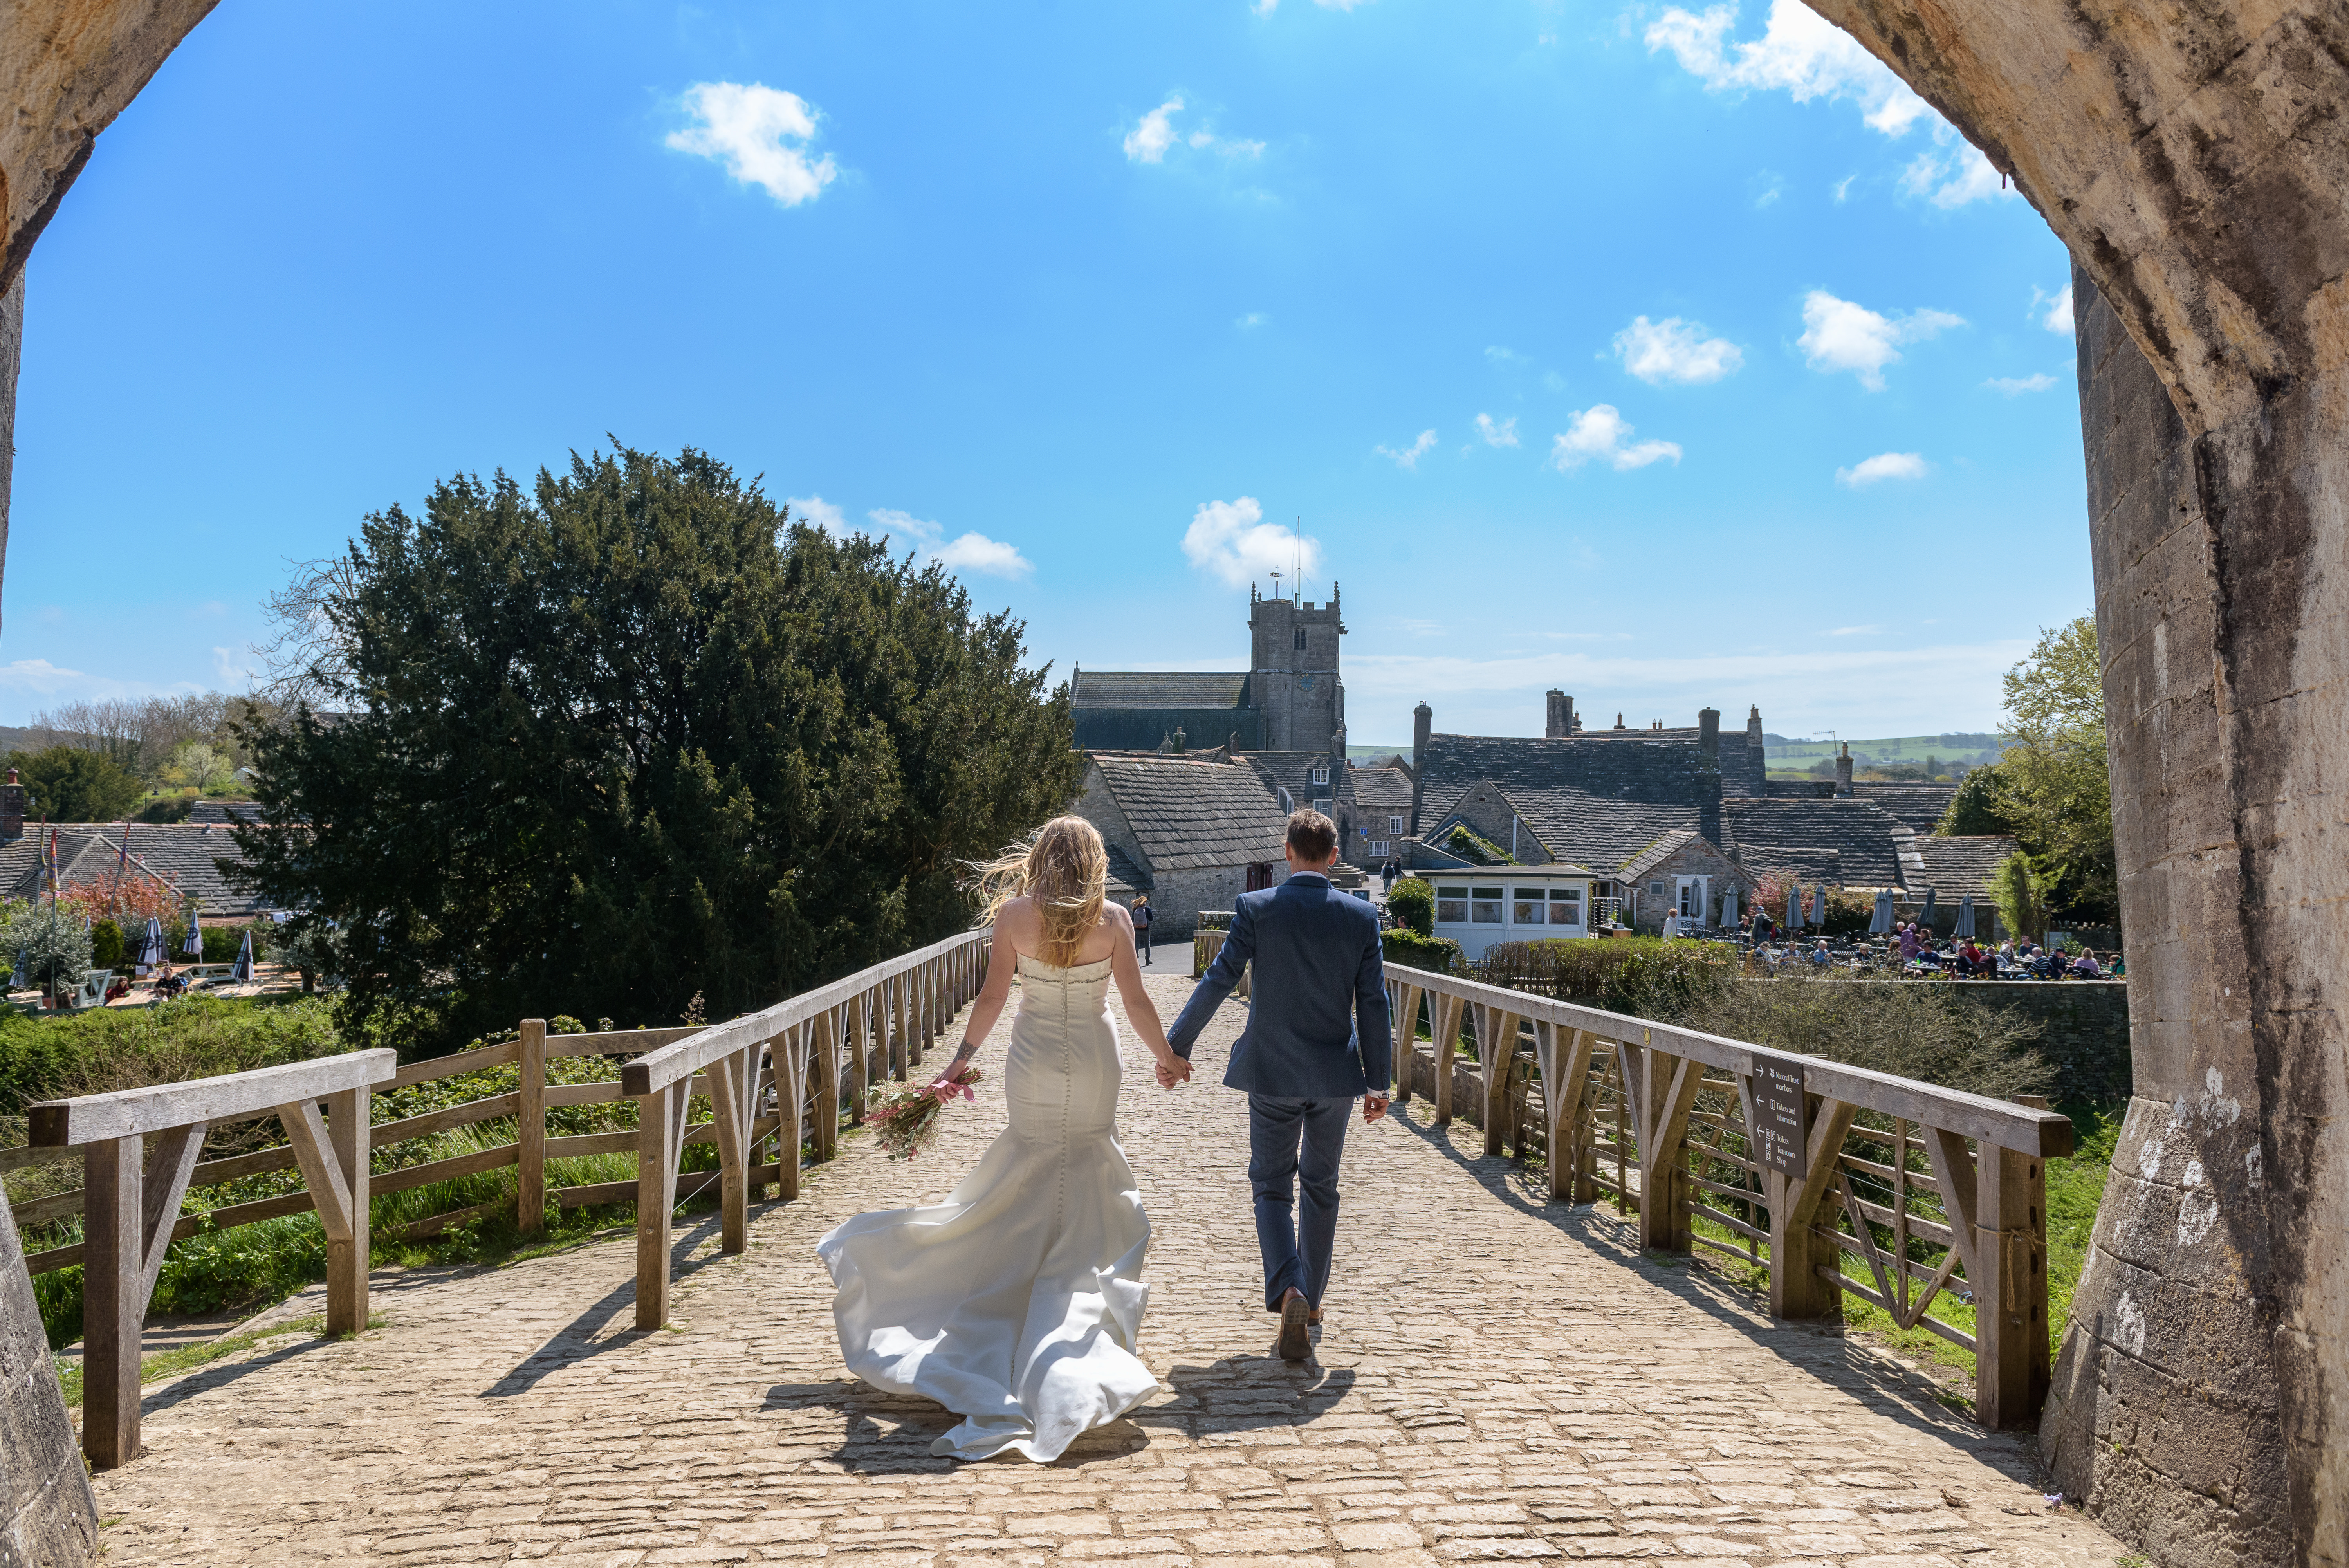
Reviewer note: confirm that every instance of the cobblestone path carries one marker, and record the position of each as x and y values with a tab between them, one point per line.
1498	1380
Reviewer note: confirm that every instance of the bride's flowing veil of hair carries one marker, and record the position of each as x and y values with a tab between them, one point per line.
1065	869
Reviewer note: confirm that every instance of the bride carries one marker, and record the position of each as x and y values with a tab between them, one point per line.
1016	1302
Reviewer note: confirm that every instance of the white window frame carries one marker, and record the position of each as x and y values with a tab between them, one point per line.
1394	825
1321	773
1534	898
1457	896
1379	848
1477	902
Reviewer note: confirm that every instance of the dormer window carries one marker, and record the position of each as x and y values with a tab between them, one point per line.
1321	773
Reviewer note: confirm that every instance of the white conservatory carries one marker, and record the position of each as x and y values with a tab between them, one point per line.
1479	906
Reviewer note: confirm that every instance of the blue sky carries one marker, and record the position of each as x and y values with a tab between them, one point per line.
1671	355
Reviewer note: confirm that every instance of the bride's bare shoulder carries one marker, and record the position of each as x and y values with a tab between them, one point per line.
1018	918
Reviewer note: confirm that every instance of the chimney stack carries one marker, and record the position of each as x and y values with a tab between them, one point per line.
1422	725
1843	771
1708	735
1559	721
12	808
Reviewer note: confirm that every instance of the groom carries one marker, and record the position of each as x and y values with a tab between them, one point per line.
1301	1058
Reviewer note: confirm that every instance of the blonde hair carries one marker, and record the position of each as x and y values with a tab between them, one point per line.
1065	869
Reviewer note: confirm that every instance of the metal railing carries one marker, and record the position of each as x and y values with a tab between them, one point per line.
1770	1147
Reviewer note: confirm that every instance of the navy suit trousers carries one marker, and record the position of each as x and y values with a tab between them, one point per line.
1296	1142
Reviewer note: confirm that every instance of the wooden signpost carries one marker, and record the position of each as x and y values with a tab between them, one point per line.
1782	1121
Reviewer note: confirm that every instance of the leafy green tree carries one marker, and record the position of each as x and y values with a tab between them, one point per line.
2053	783
51	941
2015	890
1979	806
71	783
634	734
1413	902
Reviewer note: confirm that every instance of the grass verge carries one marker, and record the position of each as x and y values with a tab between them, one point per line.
188	1357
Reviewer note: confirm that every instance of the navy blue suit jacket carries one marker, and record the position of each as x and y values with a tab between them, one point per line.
1318	1025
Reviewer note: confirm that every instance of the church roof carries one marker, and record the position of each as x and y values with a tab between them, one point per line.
1189	815
1160	689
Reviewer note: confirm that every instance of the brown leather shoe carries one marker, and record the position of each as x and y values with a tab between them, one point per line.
1296	1344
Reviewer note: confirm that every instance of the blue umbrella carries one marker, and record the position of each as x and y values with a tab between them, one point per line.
1822	904
150	945
194	944
1795	908
24	963
1966	917
1881	923
243	972
1925	916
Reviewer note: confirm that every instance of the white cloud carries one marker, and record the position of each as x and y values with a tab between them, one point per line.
1231	540
816	513
751	128
1954	174
1153	136
233	668
964	552
1841	335
1799	50
1500	355
2015	386
1409	456
1675	350
2058	316
1883	465
1148	141
1843	187
1252	320
40	679
1504	433
1422	628
1856	631
1600	432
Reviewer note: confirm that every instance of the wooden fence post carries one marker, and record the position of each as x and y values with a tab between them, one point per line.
860	1068
1496	1056
530	1197
1664	1090
827	1081
1563	1054
734	1107
1798	1289
791	1057
346	1257
113	1309
660	1131
2011	1372
1443	1022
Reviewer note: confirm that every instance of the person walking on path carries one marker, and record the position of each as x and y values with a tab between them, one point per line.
1317	1038
1140	913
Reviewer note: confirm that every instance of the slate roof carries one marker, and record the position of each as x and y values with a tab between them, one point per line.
1918	806
1294	772
1803	862
1656	854
221	810
1383	791
1126	878
1862	833
185	855
1963	862
1135	710
1592	830
1160	689
1188	814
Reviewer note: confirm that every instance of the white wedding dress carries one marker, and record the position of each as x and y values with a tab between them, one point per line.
1016	1301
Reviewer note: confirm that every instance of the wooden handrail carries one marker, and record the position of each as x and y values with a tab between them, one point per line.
159	1107
1993	1196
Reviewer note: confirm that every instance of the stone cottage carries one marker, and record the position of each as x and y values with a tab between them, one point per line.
1193	831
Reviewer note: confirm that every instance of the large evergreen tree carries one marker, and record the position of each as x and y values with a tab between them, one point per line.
637	735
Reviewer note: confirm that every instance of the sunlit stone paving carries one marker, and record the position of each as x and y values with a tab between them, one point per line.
1497	1380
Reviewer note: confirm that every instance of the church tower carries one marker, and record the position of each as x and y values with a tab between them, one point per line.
1293	671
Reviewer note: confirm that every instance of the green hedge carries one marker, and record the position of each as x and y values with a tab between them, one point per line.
1439	954
1413	902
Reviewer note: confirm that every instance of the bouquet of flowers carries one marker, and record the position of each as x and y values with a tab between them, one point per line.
905	1120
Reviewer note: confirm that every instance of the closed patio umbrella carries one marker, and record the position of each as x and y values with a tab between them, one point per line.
150	945
1881	923
1729	908
1795	908
1925	916
1822	921
194	944
1966	917
243	972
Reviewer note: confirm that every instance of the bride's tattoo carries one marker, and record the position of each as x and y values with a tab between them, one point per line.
961	1059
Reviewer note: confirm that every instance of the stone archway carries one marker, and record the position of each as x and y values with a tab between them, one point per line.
2195	161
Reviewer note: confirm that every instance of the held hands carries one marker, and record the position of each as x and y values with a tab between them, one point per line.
1173	1070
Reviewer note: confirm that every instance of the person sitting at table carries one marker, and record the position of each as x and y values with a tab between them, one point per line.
1819	956
1908	940
2084	966
1971	961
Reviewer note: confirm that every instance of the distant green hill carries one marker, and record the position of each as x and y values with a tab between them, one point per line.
1372	753
1972	750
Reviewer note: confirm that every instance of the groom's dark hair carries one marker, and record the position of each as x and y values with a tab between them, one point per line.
1311	834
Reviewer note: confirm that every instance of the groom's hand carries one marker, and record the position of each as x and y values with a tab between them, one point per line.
1176	1069
1374	1106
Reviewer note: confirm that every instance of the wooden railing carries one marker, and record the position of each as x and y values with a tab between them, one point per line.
1773	1148
816	1053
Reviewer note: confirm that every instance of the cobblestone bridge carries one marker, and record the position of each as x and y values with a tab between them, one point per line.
1498	1380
